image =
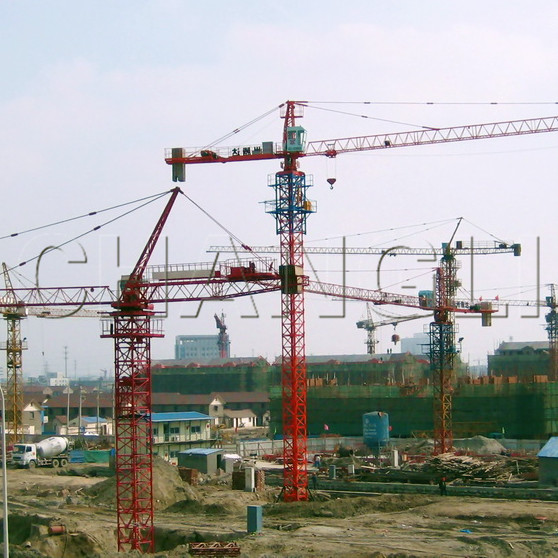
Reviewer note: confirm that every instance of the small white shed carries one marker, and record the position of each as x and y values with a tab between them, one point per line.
548	463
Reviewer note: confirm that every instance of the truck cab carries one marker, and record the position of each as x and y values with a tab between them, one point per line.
23	454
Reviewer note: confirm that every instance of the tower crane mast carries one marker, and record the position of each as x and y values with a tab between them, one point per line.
290	209
552	330
223	342
132	329
14	371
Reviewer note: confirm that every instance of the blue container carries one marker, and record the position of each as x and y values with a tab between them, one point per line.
375	428
255	519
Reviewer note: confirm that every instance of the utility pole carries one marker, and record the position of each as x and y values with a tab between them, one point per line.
79	412
68	391
98	390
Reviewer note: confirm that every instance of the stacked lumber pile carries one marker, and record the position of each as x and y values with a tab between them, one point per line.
463	469
467	468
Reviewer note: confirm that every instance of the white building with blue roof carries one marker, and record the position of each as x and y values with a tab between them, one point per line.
175	432
88	426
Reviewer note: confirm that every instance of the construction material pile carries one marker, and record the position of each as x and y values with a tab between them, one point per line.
477	460
480	445
492	470
477	445
466	468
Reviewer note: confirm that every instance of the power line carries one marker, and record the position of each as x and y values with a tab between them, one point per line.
149	199
90	214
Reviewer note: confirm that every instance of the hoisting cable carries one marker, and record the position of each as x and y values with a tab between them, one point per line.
312	104
90	214
423	274
428	226
485	231
150	199
243	245
375	118
473	103
240	128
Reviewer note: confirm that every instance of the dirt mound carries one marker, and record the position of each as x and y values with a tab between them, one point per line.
218	500
416	446
345	508
480	445
193	507
168	488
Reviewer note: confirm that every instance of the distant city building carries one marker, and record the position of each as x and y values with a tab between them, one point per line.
416	345
523	359
196	346
57	379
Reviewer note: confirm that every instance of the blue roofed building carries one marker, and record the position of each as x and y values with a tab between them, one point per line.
205	460
178	431
548	463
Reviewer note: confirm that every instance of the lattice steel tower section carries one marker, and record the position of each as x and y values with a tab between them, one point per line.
14	347
552	330
291	209
443	351
132	329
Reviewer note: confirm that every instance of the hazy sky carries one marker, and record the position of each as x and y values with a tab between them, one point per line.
92	93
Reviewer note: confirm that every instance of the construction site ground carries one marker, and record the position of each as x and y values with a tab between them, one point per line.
71	514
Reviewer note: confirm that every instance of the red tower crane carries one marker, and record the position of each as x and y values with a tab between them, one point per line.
291	209
132	329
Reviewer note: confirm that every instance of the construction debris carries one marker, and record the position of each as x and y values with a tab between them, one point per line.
214	549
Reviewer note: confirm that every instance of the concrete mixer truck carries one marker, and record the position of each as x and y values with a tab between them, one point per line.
50	452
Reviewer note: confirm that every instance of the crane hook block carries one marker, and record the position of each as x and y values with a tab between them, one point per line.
178	169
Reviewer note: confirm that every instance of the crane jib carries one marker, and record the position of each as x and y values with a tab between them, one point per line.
334	147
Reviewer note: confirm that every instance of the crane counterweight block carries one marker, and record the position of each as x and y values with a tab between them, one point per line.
293	279
178	169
